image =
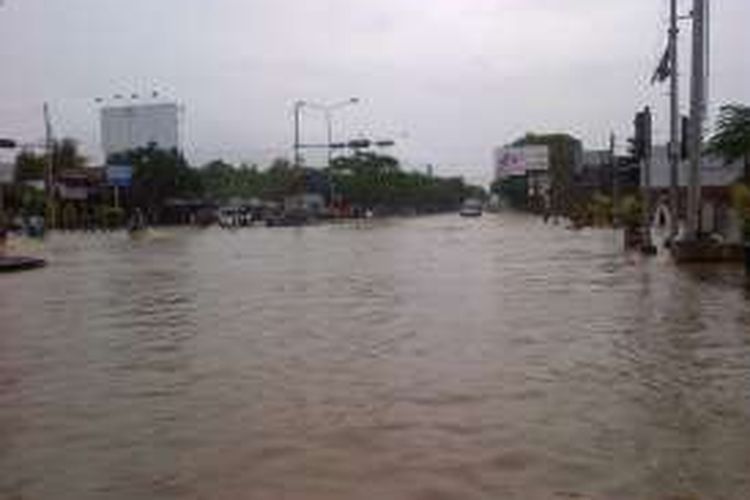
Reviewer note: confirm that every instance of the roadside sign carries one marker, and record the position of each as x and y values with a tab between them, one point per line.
119	175
7	172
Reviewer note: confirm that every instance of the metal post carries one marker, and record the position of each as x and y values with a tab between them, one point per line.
647	245
615	181
674	129
329	130
697	97
49	183
297	157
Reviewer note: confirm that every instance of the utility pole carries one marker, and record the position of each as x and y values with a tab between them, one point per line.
49	178
697	115
674	119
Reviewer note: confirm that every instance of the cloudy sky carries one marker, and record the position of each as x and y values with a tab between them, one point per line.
448	79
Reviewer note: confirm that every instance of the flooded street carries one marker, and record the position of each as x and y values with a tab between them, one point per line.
430	358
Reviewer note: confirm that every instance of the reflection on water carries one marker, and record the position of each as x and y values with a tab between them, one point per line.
431	358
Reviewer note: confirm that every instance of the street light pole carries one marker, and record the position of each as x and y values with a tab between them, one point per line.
297	157
51	214
328	111
329	119
329	134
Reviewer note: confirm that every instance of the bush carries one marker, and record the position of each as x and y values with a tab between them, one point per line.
110	217
600	209
741	199
630	211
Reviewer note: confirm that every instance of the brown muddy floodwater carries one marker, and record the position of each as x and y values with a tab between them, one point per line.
431	358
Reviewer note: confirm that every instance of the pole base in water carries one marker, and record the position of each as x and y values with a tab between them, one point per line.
649	249
637	239
706	251
10	264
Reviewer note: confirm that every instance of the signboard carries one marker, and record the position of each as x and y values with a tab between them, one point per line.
509	161
73	193
119	175
517	160
7	173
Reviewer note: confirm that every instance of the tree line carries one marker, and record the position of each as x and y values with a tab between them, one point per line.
365	180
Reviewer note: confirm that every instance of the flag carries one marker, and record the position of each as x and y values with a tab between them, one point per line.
664	70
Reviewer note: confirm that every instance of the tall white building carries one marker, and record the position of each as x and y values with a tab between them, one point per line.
132	126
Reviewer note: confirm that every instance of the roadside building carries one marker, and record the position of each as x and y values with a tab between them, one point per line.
602	173
79	191
564	159
7	177
595	174
524	171
716	212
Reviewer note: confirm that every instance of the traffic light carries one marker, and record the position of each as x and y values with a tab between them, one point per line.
7	143
642	142
359	144
627	173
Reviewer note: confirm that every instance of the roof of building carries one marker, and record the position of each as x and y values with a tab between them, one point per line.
714	170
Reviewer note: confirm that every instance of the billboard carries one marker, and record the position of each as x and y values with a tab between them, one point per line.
517	160
124	128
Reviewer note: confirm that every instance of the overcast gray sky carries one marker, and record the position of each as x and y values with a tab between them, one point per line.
448	79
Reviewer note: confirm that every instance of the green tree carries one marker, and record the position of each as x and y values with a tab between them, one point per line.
732	137
30	166
223	181
366	162
371	180
514	189
159	175
282	179
65	155
219	180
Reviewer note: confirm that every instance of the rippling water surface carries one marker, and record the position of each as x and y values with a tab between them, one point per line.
430	359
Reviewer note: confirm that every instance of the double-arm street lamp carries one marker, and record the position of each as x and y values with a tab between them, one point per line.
328	110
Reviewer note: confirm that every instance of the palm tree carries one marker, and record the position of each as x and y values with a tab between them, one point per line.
732	137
